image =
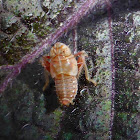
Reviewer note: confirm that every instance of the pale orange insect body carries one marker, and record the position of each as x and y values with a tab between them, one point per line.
65	69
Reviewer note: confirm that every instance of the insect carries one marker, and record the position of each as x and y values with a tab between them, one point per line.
65	70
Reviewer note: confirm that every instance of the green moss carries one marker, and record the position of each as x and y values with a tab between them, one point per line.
48	137
106	105
58	115
68	136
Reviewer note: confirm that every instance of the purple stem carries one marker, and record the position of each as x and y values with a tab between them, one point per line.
7	67
69	23
112	69
9	77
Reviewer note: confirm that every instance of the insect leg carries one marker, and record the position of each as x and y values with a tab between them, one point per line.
47	80
80	61
87	74
81	53
82	64
46	64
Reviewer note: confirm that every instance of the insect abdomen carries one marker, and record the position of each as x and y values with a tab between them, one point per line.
66	88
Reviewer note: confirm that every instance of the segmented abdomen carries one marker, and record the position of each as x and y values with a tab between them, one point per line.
66	88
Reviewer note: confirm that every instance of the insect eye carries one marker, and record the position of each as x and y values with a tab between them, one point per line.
63	51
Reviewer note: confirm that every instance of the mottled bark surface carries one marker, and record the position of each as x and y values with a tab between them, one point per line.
111	37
